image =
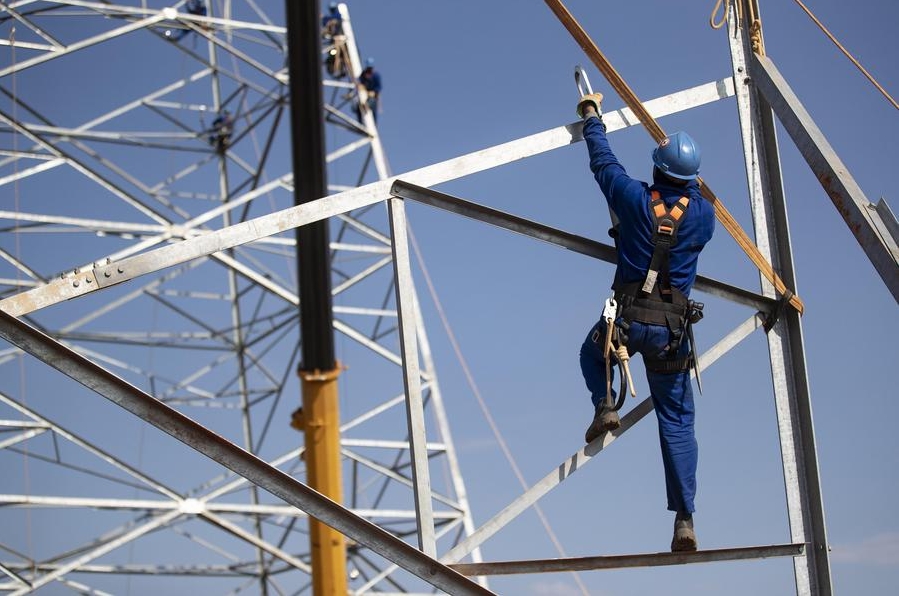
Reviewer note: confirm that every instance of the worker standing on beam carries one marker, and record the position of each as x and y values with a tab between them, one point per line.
332	32
332	22
660	232
369	85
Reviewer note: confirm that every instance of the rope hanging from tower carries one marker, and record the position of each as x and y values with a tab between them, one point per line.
848	55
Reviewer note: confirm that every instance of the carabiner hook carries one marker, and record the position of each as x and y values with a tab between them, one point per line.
581	80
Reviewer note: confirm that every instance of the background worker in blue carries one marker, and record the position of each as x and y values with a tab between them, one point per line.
332	33
370	80
222	128
652	317
332	22
194	7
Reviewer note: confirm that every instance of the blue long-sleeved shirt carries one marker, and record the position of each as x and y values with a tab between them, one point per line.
630	199
333	15
371	79
197	7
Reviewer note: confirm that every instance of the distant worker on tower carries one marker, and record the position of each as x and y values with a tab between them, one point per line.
222	129
661	230
332	33
194	7
332	22
369	84
335	61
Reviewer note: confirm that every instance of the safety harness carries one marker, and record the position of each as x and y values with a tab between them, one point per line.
654	300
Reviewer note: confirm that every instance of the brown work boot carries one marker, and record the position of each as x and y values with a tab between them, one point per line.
684	537
604	421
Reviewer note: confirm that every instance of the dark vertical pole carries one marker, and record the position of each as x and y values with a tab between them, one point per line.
319	418
310	182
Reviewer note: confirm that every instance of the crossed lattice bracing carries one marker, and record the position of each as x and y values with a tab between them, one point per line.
170	246
215	337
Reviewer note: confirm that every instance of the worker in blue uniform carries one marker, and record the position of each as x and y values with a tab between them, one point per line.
222	129
332	22
335	40
194	7
370	80
660	232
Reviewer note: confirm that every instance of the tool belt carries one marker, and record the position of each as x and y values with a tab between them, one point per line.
677	314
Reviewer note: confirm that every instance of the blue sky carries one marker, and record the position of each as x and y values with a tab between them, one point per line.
520	309
462	76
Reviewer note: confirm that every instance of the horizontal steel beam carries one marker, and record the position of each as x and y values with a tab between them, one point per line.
573	242
577	461
99	549
233	457
18	579
194	505
622	561
85	43
133	569
268	225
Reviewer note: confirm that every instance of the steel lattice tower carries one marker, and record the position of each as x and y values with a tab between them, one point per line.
216	339
202	236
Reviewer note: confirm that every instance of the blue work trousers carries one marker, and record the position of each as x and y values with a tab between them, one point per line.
672	398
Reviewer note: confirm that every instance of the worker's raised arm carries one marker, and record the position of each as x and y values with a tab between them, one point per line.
608	172
590	105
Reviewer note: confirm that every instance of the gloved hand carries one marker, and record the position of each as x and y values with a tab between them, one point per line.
591	99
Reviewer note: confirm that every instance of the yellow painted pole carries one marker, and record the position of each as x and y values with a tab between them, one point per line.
319	419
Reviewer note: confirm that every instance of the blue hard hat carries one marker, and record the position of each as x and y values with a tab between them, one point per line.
333	6
678	156
369	62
